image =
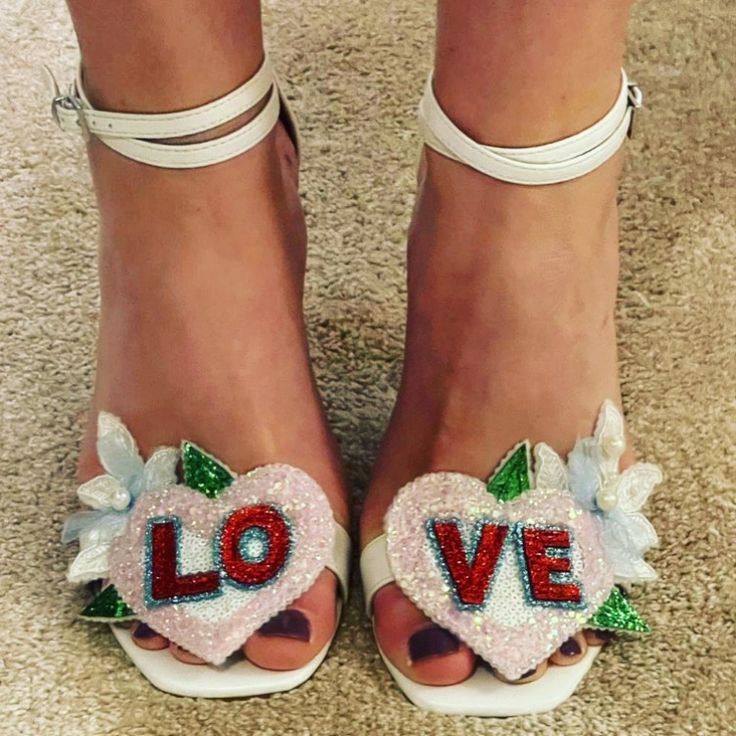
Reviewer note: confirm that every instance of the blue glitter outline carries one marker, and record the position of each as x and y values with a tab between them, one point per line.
262	539
559	552
227	580
152	602
475	535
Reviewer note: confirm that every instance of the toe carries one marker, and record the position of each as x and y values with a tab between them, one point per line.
183	655
420	650
146	638
570	651
296	635
598	637
527	677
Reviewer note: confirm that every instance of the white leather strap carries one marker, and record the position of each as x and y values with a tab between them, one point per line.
551	163
135	135
340	563
375	570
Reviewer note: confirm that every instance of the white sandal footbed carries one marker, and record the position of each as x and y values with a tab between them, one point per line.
134	136
483	694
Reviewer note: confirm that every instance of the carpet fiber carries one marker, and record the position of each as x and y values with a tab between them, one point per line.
354	71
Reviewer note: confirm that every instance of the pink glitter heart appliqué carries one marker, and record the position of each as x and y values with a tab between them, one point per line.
507	625
213	626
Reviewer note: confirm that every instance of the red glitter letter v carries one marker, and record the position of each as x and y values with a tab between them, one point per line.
470	579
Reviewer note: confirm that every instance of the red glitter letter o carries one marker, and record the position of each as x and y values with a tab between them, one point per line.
248	573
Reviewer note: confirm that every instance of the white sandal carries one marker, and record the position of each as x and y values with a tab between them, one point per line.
515	565
208	558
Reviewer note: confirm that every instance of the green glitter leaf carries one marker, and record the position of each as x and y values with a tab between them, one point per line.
617	614
203	472
108	605
512	477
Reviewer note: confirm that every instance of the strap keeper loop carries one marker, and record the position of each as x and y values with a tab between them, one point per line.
71	102
636	102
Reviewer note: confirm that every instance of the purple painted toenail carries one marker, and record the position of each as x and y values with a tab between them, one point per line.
570	648
432	642
603	635
528	674
144	631
289	624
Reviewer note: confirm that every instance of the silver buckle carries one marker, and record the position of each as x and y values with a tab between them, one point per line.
636	102
70	102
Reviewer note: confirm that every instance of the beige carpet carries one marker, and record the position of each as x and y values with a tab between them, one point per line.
354	71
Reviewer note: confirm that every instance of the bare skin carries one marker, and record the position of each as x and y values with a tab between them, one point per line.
201	331
510	325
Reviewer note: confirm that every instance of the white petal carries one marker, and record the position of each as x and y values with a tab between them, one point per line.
646	573
635	485
104	492
103	532
160	469
641	532
549	469
116	448
108	425
623	570
90	564
583	472
610	437
637	571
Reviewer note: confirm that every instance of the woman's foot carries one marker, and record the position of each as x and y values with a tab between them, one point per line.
510	335
201	337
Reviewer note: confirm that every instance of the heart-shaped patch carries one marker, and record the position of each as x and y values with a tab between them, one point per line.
207	572
512	579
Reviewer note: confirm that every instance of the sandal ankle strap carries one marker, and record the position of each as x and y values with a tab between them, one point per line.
551	163
135	135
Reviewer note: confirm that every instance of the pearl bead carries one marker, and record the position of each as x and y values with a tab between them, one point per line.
614	446
607	498
120	499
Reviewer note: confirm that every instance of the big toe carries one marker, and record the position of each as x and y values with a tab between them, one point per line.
296	635
418	648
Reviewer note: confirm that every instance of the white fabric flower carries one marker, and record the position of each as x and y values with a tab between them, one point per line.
112	495
617	498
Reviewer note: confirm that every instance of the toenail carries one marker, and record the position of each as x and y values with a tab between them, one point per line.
603	635
290	624
528	674
144	631
432	642
570	648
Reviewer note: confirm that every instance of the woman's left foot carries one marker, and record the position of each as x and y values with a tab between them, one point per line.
510	335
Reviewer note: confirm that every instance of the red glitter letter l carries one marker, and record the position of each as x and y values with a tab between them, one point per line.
166	583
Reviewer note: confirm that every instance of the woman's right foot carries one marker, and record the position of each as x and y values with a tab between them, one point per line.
201	336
